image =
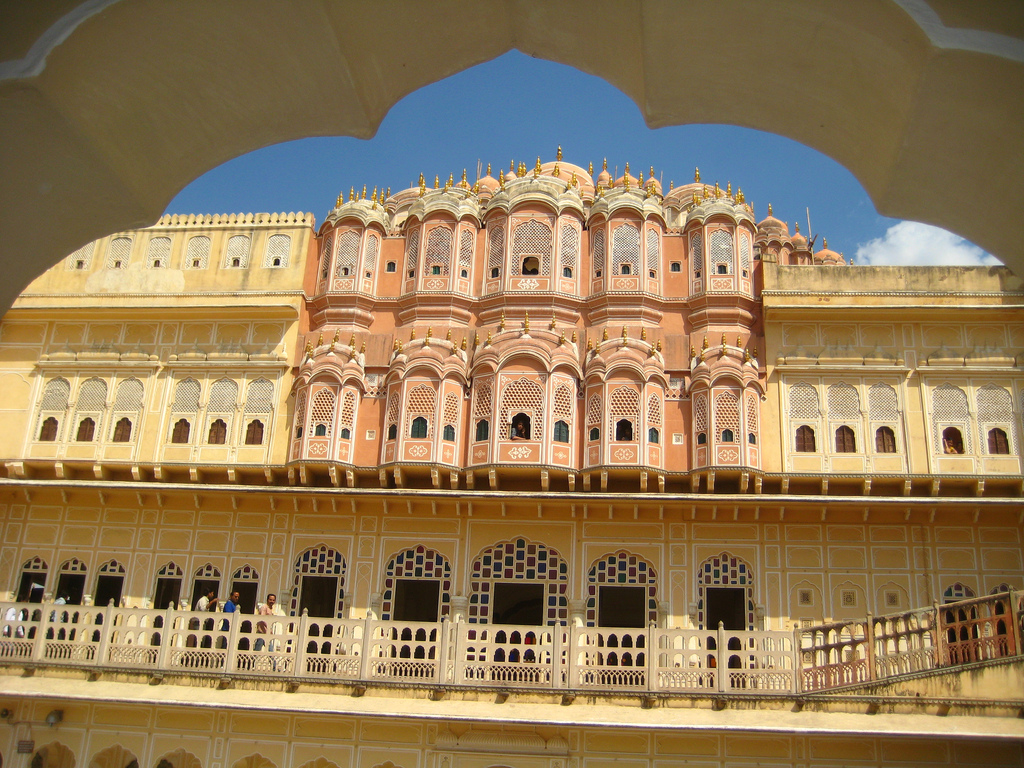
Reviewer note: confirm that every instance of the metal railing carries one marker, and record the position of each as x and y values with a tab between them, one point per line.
599	659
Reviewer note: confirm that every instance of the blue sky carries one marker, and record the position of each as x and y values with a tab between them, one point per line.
517	107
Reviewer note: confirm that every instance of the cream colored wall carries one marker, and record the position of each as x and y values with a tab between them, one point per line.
788	552
205	737
912	328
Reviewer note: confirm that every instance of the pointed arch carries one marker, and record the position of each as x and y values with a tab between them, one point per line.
725	570
622	568
419	562
114	756
519	560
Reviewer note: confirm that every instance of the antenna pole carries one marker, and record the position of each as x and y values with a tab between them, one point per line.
808	222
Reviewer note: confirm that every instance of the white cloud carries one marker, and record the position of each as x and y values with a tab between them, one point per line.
911	243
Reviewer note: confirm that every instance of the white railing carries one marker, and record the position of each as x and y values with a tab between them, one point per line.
598	659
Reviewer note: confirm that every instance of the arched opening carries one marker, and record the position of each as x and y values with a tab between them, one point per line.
520	427
952	440
419	428
624	430
885	440
805	439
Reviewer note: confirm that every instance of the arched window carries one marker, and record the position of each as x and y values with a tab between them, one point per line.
345	434
702	438
805	440
752	438
561	432
419	427
845	440
997	441
181	431
653	436
86	430
123	430
595	433
952	440
728	436
531	265
218	432
885	440
566	271
254	433
624	429
483	429
320	430
392	431
449	433
520	427
48	430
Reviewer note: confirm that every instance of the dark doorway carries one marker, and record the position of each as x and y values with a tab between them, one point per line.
319	596
416	600
201	587
726	605
168	590
71	586
513	603
32	587
621	606
108	587
248	592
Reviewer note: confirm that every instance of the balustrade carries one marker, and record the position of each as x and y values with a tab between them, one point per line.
667	661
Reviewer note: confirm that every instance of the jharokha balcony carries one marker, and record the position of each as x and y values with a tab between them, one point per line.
653	666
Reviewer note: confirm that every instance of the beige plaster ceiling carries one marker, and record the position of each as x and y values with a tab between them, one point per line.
110	108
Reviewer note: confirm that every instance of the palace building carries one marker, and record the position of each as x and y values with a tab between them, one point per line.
550	469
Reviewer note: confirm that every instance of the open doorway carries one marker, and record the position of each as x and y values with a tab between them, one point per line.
725	605
416	599
621	606
109	586
248	593
71	586
517	603
168	590
32	587
319	596
201	587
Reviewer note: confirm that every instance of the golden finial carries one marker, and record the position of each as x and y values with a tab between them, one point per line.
696	175
351	194
590	168
658	345
718	191
448	336
597	348
488	169
462	346
553	323
824	243
739	342
437	181
693	352
590	345
501	325
561	340
362	347
600	190
522	171
463	180
374	206
573	182
423	186
605	166
651	174
671	185
746	355
364	193
430	332
488	342
501	180
352	341
340	200
556	172
536	168
526	323
320	339
337	335
394	345
476	339
412	334
739	196
705	344
625	333
476	188
604	336
754	353
728	189
643	334
640	181
724	342
574	337
704	192
387	195
309	348
625	180
451	180
769	209
558	155
511	166
695	200
399	345
797	225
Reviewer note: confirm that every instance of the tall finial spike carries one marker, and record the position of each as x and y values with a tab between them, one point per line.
559	155
363	197
590	168
625	333
604	336
464	176
604	167
340	200
824	242
536	168
728	189
643	334
696	175
351	194
437	181
526	322
769	209
488	169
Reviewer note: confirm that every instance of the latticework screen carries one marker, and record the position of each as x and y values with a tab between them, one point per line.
495	247
83	255
653	251
882	403
451	409
700	413
238	248
524	396
697	252
654	409
129	396
158	254
803	402
421	401
92	395
594	411
118	253
439	251
186	397
843	402
563	402
259	396
569	248
223	396
482	400
531	238
597	251
626	249
321	412
348	409
412	249
325	257
278	247
466	240
348	253
727	413
55	396
721	250
370	258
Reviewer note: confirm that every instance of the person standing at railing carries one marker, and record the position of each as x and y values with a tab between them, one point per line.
207	602
230	606
269	608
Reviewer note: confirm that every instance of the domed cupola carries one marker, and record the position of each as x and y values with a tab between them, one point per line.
720	234
801	253
487	185
773	227
828	257
604	179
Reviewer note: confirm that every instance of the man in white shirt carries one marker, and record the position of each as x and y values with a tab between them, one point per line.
207	602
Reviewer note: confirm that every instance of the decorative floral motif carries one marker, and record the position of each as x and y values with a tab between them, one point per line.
435	285
728	455
721	284
344	285
528	285
317	449
418	450
623	283
623	454
520	452
561	455
480	453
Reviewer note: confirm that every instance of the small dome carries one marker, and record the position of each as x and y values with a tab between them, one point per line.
826	256
488	184
773	225
799	241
